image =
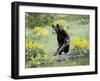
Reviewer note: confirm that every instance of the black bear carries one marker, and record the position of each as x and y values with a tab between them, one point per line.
62	38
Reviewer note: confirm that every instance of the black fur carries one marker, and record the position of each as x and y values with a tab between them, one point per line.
62	38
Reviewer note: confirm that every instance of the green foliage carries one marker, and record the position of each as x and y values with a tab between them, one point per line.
36	57
63	23
38	19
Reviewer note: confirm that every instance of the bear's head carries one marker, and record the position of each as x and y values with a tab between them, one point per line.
56	28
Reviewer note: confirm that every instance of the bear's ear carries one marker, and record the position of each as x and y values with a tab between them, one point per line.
57	26
53	26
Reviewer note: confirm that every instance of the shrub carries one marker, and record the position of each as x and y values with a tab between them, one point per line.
36	57
80	46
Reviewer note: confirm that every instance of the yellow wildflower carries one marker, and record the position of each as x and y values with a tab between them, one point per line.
29	44
37	29
79	42
26	43
44	32
37	45
41	31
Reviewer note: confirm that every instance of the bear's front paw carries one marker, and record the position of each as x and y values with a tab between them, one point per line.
56	53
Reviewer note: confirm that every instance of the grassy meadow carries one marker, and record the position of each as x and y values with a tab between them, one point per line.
41	43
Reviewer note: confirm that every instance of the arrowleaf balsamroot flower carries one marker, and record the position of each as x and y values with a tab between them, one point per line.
41	31
77	42
35	44
29	44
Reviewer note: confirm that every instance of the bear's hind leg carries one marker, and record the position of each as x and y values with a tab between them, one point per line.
66	50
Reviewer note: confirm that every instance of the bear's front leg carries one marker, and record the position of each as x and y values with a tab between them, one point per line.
58	52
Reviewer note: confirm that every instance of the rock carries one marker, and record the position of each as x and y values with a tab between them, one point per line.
70	55
61	57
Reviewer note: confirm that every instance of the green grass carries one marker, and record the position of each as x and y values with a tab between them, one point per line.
73	62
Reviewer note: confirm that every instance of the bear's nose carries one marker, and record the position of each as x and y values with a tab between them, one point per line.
53	32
